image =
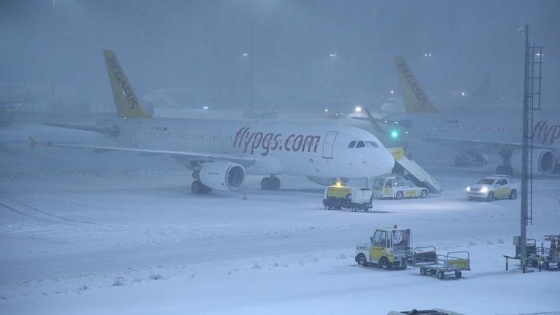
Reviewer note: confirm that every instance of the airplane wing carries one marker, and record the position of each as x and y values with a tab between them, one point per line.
181	155
472	143
78	127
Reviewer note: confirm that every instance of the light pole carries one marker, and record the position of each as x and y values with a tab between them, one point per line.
333	57
250	109
525	153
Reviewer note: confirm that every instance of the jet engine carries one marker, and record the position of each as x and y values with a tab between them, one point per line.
222	175
543	161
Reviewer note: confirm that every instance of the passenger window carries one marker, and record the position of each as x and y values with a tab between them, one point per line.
360	144
352	144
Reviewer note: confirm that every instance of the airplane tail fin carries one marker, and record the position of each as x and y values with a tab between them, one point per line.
126	101
415	100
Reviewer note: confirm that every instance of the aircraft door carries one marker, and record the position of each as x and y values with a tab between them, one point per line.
134	134
328	144
378	246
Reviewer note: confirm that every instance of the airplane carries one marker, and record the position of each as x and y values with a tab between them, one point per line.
475	133
220	153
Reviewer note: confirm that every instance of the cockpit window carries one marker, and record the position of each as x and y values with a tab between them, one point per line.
372	144
363	144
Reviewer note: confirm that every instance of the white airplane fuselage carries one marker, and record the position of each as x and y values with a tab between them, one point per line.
486	132
277	148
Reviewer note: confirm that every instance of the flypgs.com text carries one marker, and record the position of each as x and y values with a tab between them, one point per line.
266	142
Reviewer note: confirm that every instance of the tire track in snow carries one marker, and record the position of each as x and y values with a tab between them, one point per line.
38	214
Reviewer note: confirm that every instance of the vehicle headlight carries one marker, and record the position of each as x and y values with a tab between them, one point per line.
468	189
484	189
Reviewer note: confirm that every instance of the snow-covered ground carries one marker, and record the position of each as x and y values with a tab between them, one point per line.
105	233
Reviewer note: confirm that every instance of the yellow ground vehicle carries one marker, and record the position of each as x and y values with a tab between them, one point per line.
492	187
338	197
388	248
397	188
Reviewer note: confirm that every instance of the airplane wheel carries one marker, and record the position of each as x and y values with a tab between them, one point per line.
198	188
275	183
500	170
504	170
266	183
509	170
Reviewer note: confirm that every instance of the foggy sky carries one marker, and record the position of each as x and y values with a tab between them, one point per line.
55	46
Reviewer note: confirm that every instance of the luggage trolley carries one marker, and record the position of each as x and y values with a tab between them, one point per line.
429	262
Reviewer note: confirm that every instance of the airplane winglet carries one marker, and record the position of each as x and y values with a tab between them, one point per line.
33	142
374	124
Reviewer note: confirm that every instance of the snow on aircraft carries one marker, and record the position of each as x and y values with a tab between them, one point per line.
474	133
221	153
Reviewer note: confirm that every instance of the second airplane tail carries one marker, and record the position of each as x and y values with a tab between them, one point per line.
415	100
126	101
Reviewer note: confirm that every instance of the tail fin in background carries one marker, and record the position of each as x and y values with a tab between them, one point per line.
415	100
126	101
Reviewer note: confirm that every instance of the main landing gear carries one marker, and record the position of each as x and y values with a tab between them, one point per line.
505	168
198	188
270	183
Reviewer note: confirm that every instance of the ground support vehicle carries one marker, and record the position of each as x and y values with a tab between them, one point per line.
492	187
430	262
531	247
545	257
388	248
397	188
412	171
338	197
549	256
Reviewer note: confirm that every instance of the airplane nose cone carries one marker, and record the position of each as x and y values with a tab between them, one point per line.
384	162
388	162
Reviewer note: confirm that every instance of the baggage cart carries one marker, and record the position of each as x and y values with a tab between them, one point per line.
430	262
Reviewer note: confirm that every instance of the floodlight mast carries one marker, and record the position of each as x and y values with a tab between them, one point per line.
525	154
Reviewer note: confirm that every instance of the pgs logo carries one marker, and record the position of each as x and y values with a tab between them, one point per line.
266	142
414	85
545	133
126	90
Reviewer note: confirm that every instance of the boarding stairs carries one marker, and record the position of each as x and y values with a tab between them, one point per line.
414	172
